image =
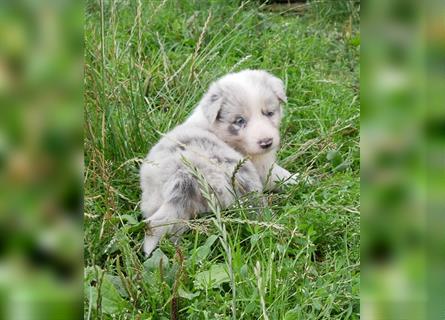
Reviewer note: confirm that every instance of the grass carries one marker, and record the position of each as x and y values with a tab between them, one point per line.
147	63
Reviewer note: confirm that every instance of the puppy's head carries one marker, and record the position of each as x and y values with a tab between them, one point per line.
244	110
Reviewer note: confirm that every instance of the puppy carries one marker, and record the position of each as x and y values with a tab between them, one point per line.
238	118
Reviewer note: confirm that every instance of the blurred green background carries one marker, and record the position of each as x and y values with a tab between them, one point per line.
403	160
40	159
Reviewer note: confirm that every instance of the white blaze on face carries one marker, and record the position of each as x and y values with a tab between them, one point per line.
261	133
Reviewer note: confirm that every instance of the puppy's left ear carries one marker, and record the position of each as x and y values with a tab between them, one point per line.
211	103
277	87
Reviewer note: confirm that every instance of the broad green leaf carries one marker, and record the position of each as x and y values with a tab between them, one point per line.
334	157
342	166
157	257
212	278
130	219
112	302
203	251
183	293
293	314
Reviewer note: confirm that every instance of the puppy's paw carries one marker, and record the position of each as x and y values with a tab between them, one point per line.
292	179
299	178
150	243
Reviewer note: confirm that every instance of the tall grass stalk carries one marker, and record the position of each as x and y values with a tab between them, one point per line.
214	205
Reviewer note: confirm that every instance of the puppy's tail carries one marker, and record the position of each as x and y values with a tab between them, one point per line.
163	221
180	194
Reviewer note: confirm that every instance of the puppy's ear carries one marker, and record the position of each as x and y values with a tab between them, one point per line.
277	87
211	103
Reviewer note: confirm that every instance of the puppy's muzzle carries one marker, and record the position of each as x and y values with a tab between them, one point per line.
265	143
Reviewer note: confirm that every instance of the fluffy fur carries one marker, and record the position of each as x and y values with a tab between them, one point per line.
237	118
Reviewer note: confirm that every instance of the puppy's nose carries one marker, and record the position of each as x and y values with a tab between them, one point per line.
265	143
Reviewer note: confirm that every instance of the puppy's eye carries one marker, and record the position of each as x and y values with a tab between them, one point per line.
268	113
239	121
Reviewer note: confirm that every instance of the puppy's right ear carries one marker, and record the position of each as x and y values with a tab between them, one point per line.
277	86
211	103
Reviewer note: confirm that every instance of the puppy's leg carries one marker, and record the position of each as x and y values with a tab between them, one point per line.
278	176
281	174
161	222
271	173
151	202
152	198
